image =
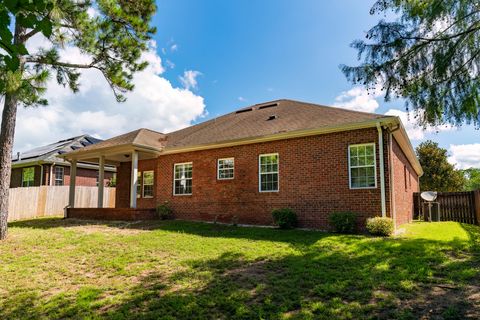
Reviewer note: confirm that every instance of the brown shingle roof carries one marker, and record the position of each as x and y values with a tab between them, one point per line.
140	137
270	118
280	116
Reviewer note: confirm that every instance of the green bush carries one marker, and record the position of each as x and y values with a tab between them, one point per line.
285	218
164	211
343	222
379	226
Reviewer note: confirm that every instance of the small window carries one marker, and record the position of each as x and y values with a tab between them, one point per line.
362	166
139	184
405	176
59	173
182	179
148	178
268	172
225	169
28	177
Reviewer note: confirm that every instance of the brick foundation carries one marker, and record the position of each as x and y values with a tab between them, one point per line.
126	214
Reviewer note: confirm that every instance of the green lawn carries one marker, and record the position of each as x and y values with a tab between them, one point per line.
54	268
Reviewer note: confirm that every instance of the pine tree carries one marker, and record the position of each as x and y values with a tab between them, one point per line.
113	33
428	54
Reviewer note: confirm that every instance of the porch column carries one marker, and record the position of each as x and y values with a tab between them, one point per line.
73	176
134	180
101	178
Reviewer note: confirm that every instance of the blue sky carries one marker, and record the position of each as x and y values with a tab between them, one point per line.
212	57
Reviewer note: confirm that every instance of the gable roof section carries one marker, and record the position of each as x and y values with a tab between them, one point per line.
142	138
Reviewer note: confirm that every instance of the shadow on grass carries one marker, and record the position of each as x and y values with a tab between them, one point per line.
368	278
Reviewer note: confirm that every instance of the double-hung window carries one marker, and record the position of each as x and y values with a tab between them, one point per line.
225	169
182	178
362	166
59	173
268	172
28	177
147	180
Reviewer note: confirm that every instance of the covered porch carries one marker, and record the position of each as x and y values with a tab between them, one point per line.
127	149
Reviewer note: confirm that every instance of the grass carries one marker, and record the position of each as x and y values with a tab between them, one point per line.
54	268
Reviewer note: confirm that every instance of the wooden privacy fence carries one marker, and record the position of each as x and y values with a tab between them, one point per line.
454	206
35	202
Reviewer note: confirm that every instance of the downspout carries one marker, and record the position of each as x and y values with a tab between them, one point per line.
392	176
382	169
41	173
51	174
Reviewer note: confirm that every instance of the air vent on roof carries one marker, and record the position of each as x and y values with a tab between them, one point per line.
272	117
85	143
75	147
244	110
265	106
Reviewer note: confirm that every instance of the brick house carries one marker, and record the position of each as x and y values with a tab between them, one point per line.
311	158
43	166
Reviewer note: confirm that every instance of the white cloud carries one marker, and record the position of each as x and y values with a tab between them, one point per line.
155	103
189	79
242	99
174	47
465	156
358	99
415	132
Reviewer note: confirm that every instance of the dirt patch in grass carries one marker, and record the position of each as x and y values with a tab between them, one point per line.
444	301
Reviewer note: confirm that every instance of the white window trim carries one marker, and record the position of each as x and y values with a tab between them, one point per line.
374	165
260	172
32	181
181	194
218	168
143	184
55	175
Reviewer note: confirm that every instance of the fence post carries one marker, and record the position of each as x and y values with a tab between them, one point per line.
476	196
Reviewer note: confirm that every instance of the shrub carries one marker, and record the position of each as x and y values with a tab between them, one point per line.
164	211
379	226
285	218
343	222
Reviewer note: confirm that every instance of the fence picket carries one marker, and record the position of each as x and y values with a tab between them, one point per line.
454	206
34	202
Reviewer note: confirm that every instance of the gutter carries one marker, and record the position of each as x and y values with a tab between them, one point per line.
382	169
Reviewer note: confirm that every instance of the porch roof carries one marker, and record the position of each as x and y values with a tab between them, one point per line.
147	143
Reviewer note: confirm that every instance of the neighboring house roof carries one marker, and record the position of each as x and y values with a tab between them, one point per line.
52	153
279	119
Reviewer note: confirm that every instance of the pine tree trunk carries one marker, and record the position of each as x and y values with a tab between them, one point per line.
6	144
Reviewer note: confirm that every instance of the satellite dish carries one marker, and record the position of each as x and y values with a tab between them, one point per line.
429	195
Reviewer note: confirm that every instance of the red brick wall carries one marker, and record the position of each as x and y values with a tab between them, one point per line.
313	181
85	177
405	183
122	199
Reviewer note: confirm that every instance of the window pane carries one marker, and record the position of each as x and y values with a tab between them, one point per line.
369	150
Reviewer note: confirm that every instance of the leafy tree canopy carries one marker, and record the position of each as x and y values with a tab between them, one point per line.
428	54
113	33
472	176
439	174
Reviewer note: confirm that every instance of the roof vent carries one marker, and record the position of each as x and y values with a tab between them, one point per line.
270	105
19	156
272	117
244	110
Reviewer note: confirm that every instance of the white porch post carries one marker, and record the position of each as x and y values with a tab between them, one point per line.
101	178
73	176
134	180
